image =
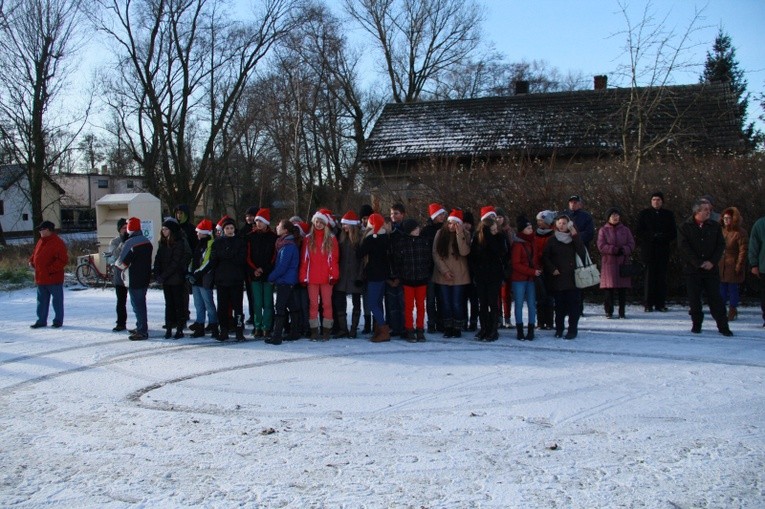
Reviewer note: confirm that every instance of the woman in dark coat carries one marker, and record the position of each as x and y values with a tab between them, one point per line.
228	263
488	254
615	243
170	264
559	259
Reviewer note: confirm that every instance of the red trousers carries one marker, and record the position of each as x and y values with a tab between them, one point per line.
414	297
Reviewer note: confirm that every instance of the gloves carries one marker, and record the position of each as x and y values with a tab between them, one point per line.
191	279
159	279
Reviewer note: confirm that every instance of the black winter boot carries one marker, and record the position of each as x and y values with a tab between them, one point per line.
168	331
179	333
294	334
519	328
222	335
239	319
530	332
342	327
354	330
276	334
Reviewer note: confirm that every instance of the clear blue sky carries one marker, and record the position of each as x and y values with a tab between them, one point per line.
582	35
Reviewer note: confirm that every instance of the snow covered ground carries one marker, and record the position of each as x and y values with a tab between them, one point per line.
633	413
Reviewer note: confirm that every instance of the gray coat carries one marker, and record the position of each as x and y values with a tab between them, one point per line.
351	269
115	249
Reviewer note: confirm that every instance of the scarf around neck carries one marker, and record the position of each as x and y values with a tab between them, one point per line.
564	237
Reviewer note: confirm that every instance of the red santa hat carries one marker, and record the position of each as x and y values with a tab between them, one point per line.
205	227
264	216
435	209
303	227
133	225
324	215
455	215
488	211
376	222
350	218
223	219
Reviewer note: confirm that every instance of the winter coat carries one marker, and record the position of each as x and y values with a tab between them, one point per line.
412	259
698	244
540	241
456	263
585	226
733	264
199	267
376	249
487	261
616	244
261	251
49	259
285	270
561	256
135	261
115	249
656	230
757	245
171	262
228	261
316	266
522	256
351	268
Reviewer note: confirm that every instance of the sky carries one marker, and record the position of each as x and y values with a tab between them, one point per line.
584	35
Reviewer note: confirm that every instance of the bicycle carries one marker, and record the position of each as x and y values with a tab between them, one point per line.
88	273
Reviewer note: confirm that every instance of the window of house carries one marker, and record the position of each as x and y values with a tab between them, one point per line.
130	184
25	217
2	208
103	183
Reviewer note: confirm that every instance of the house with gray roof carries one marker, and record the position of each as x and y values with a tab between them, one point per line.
564	128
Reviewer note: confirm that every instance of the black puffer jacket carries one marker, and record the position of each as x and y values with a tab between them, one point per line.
487	261
261	253
228	262
171	262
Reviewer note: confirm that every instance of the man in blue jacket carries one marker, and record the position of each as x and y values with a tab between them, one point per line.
135	263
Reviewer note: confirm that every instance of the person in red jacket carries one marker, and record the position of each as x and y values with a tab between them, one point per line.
525	272
319	270
48	260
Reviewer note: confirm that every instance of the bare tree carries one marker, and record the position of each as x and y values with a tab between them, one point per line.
655	53
419	39
184	65
38	40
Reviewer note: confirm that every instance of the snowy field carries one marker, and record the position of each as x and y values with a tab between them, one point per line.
633	413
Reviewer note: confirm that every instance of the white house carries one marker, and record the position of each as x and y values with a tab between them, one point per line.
15	205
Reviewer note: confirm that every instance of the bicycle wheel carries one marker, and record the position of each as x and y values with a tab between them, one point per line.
86	274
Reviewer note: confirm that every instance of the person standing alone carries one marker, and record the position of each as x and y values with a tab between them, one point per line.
655	232
48	260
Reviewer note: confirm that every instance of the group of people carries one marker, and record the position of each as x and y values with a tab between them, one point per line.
446	276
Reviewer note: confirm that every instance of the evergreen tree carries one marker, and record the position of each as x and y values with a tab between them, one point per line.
721	65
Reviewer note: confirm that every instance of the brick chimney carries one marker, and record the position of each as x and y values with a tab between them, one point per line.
521	87
601	82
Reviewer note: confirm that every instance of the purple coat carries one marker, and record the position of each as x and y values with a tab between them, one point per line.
612	238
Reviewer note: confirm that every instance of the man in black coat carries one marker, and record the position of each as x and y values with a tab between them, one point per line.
701	244
656	230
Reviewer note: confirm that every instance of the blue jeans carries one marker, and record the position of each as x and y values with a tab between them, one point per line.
453	300
44	295
375	295
203	303
138	303
525	291
730	291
